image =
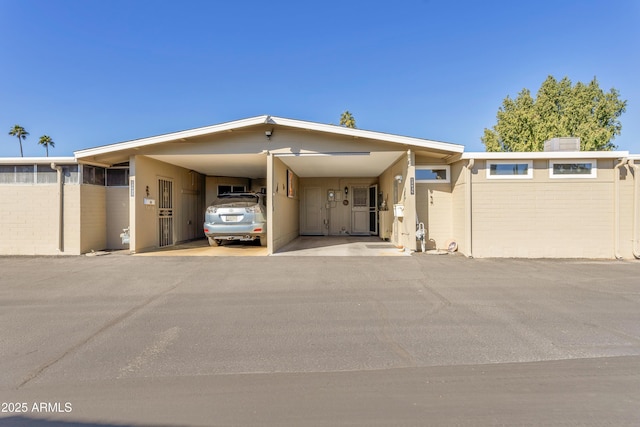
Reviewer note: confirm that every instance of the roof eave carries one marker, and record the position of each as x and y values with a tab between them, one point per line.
143	142
527	155
35	160
265	119
360	133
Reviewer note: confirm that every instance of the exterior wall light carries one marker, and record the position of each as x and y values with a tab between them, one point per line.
346	190
268	134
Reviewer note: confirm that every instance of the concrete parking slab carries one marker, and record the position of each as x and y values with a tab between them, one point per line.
201	248
301	246
340	246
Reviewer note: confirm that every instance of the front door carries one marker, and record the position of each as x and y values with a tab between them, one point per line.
165	212
360	211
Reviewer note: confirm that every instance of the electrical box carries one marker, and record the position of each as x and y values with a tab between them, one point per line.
398	210
149	202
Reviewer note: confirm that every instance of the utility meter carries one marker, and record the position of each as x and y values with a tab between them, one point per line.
331	195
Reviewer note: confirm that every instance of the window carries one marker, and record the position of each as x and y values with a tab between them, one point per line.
7	174
24	174
46	175
435	174
573	169
37	174
19	174
231	189
71	174
93	175
508	169
117	177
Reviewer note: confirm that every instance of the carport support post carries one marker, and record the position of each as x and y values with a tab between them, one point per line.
408	232
270	202
133	192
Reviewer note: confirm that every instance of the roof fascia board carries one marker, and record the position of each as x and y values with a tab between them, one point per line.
35	160
265	119
137	143
359	133
545	155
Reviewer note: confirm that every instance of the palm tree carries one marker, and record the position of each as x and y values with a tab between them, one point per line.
47	142
346	119
20	133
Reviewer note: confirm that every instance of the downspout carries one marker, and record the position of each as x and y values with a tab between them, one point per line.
616	208
60	207
468	208
636	185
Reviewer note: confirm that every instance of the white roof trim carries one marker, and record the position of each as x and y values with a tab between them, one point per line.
300	124
528	155
359	133
171	136
35	160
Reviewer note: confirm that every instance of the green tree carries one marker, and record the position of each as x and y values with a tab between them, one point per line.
346	119
559	109
20	133
46	141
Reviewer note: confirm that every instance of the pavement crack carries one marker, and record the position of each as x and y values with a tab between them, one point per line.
443	301
41	369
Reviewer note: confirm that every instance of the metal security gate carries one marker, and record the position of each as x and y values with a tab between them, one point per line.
165	212
360	210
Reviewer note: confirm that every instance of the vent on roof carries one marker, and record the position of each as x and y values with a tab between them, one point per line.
562	144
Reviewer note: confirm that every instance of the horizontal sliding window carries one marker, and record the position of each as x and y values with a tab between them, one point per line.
507	169
71	174
46	174
18	174
7	174
231	189
434	174
37	174
573	169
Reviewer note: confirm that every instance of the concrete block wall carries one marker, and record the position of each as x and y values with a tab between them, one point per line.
433	204
29	220
117	201
93	218
542	217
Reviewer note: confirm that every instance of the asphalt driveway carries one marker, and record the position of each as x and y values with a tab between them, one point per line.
319	340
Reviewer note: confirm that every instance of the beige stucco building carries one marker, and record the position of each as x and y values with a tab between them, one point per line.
323	180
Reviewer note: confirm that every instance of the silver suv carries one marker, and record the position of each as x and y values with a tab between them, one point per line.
236	216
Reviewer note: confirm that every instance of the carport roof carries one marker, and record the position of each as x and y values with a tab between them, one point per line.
270	120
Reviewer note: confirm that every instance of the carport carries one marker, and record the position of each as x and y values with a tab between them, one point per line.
320	180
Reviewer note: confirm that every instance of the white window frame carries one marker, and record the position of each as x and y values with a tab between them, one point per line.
593	174
529	164
445	168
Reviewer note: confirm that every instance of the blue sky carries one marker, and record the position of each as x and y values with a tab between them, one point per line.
90	73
